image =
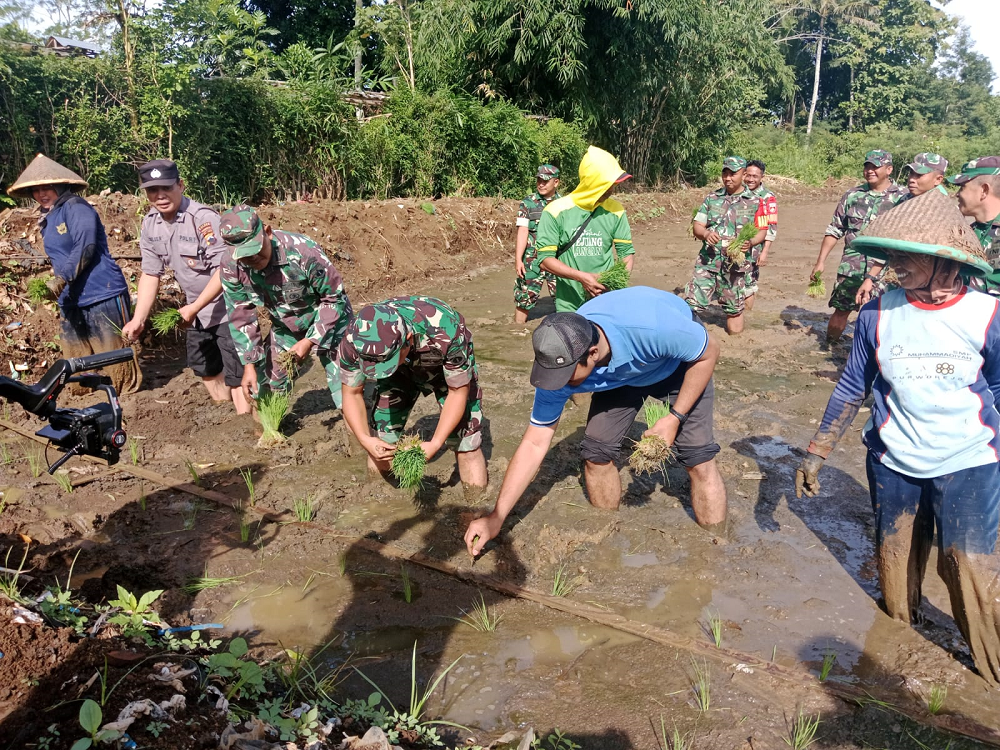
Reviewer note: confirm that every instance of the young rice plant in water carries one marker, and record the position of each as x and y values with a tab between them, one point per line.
615	277
272	407
652	451
166	321
802	733
409	463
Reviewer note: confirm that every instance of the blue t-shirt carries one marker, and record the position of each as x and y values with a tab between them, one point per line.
651	332
68	229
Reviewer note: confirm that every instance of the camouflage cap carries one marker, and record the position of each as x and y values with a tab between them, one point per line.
379	334
878	157
242	229
976	168
547	172
734	163
928	162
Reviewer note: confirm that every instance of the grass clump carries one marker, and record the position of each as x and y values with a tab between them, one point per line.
479	617
272	407
64	481
802	733
615	277
817	288
829	659
562	584
34	457
304	509
166	321
714	626
409	463
935	701
38	291
677	741
735	253
701	685
651	452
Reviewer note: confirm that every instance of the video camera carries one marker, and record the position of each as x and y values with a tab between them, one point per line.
91	431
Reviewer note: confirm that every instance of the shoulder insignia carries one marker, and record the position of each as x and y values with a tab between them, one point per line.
205	230
61	228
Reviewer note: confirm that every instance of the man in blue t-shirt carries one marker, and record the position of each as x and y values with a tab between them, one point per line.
621	346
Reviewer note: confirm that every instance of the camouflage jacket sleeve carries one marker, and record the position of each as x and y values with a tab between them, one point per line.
522	213
350	365
838	224
704	211
459	360
241	303
333	309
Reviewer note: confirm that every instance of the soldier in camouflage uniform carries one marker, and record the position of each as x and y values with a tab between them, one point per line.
979	198
754	179
927	172
530	278
290	277
720	218
413	346
857	207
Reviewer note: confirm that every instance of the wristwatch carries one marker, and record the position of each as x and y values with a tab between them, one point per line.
872	279
681	416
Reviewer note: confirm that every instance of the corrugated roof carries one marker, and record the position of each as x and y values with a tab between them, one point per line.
63	41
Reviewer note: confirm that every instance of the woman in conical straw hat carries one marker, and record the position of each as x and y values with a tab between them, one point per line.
929	352
93	297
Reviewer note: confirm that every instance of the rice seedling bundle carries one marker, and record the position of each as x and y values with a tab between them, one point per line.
272	407
690	229
409	463
816	288
166	321
652	452
288	362
735	252
38	291
615	277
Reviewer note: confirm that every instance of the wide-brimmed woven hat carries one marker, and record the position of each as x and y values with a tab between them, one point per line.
44	171
930	224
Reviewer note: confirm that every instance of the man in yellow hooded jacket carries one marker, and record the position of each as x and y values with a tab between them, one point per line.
580	235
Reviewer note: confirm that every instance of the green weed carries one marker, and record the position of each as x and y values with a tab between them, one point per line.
38	291
556	740
409	463
304	509
701	685
133	613
802	733
479	617
829	659
935	700
9	584
91	718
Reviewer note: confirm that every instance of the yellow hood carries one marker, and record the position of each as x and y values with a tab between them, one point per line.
599	170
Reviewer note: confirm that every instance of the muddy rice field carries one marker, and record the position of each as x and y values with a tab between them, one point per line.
663	631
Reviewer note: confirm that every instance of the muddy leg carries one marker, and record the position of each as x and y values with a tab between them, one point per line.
472	468
902	537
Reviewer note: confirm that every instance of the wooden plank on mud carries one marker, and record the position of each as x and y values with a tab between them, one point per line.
730	657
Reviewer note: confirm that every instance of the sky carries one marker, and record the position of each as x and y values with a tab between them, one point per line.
983	18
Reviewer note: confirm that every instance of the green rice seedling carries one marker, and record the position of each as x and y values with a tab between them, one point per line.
615	277
829	659
342	564
6	454
802	733
817	289
404	576
251	491
192	515
562	584
409	463
142	496
34	456
734	251
935	701
479	617
304	509
206	582
676	741
715	628
64	481
38	290
9	584
272	407
651	452
193	471
701	685
134	451
166	321
114	327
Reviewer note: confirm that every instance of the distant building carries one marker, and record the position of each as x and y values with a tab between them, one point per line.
64	45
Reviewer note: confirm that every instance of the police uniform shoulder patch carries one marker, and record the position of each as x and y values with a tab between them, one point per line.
61	228
207	233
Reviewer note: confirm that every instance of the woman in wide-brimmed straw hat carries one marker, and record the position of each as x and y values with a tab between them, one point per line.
929	353
93	297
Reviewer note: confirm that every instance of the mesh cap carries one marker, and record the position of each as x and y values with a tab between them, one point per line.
560	342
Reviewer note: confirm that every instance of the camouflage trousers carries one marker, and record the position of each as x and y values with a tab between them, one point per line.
395	397
753	278
850	275
716	278
275	377
529	289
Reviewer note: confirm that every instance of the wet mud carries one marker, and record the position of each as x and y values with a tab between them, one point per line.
789	581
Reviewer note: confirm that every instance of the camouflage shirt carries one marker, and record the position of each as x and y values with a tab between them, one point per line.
528	214
770	203
857	207
726	214
989	236
300	289
441	344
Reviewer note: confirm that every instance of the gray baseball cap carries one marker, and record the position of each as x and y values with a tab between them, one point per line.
560	342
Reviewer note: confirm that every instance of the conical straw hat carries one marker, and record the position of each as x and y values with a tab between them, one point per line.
44	171
930	224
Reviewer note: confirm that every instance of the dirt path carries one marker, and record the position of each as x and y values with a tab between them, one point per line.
792	581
